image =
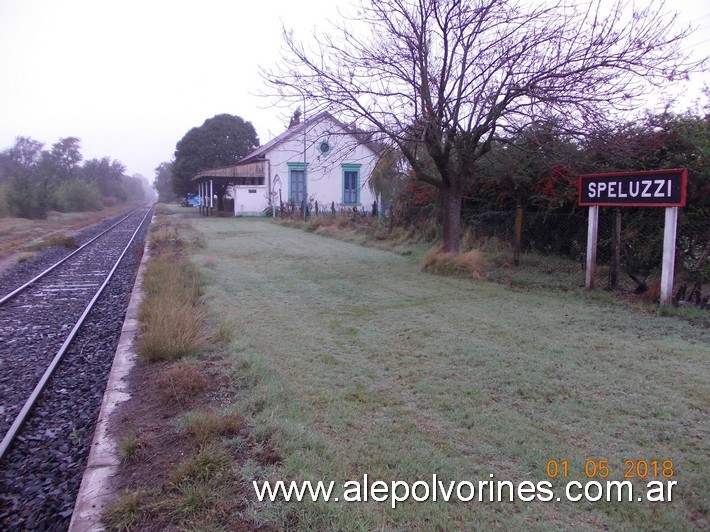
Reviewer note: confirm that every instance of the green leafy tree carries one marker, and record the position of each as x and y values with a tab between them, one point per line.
62	161
38	179
134	187
108	176
442	80
536	168
654	142
388	176
148	191
26	190
163	182
657	141
77	195
221	141
682	141
22	158
27	197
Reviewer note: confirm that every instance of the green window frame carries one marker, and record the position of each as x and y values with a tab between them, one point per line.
297	182
324	147
351	184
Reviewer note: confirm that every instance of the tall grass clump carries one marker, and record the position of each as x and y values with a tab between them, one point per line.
172	315
53	240
204	426
469	263
125	514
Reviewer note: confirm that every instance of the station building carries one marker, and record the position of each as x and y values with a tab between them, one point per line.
320	160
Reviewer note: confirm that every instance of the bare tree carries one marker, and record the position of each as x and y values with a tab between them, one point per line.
444	79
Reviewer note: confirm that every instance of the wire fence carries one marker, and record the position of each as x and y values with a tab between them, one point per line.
553	248
549	249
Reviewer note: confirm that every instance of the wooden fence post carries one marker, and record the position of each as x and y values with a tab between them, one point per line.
616	251
518	235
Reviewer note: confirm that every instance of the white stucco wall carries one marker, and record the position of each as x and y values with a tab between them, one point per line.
324	172
250	200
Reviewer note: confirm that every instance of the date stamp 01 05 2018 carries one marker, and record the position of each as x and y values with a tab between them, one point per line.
632	470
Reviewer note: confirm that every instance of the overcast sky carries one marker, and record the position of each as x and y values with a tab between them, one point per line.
131	77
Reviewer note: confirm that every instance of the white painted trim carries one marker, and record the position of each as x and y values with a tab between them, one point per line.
667	271
592	232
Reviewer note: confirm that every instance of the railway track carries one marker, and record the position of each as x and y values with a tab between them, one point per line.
58	332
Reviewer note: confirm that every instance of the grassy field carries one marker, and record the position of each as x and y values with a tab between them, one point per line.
350	361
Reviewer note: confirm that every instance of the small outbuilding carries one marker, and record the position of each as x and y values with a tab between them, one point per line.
316	160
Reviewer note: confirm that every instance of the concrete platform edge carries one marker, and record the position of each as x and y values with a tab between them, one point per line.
96	492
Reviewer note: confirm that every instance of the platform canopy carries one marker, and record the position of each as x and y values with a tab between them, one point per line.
244	174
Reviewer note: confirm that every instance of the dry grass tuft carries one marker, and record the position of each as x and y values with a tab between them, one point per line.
468	240
168	235
133	448
204	426
182	383
54	240
343	220
327	230
653	294
469	263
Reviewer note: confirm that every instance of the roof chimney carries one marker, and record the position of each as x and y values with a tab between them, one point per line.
296	118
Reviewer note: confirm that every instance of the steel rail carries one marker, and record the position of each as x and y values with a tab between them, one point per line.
45	272
22	416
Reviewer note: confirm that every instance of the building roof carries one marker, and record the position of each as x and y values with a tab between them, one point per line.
361	136
252	165
235	171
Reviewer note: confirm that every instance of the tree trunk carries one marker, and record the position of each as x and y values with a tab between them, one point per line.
451	211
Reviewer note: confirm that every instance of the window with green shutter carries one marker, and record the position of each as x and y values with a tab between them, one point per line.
351	184
296	182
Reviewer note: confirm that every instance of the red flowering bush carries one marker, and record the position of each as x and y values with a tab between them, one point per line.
556	188
417	194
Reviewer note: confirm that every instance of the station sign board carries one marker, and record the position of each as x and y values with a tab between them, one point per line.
656	188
